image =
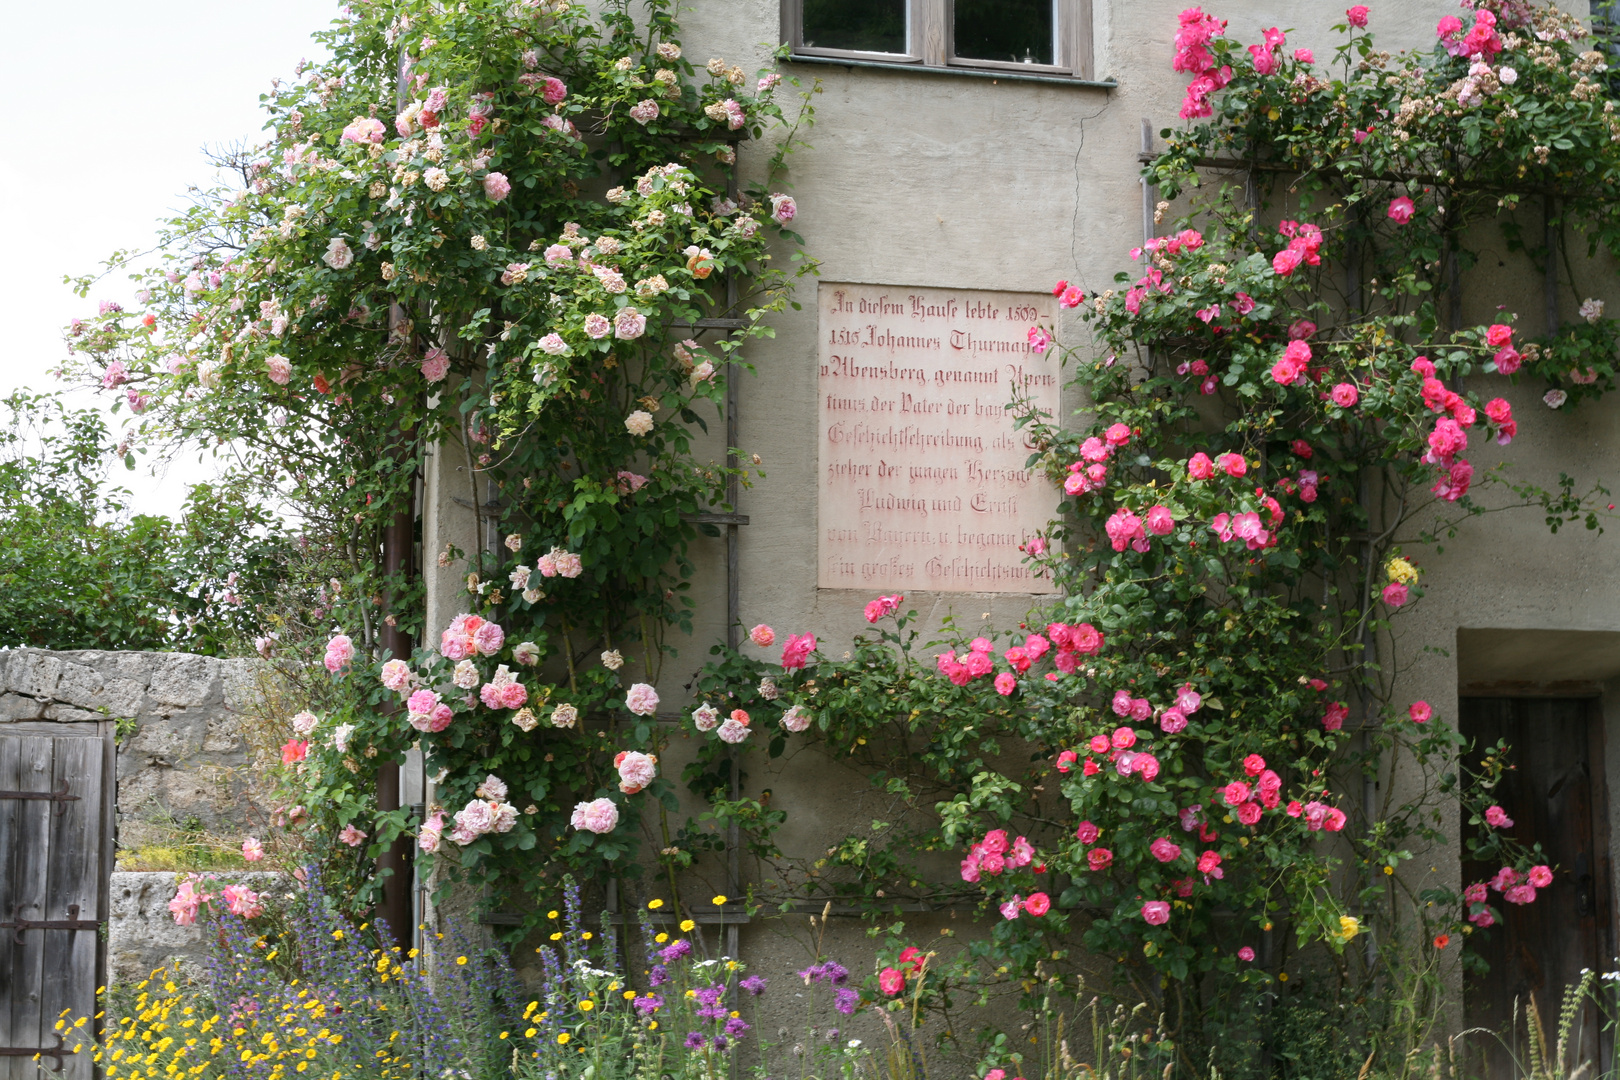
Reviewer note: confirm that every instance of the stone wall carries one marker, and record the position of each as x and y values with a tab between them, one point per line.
142	935
183	747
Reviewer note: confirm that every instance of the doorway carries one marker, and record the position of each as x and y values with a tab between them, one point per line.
1556	795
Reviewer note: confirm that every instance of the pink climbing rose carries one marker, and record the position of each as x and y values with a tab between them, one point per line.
797	650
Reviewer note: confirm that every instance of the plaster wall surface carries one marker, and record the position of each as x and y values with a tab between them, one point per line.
929	179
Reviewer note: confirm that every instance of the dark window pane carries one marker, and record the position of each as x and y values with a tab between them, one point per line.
861	25
1016	31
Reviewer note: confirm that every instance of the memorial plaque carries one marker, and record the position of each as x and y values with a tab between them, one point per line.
923	484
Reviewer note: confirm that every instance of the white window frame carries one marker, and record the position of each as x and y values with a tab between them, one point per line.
929	44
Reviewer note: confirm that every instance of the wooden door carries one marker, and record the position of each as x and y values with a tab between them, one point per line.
1556	795
56	832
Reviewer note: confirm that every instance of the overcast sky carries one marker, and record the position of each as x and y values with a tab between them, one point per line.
118	100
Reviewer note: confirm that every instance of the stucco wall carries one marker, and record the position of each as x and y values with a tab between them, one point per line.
936	180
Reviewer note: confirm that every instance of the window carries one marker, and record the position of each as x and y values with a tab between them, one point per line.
1050	38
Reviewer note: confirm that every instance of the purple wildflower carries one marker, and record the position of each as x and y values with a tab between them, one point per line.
719	1042
754	984
830	971
648	1005
695	1040
658	976
674	952
736	1026
846	999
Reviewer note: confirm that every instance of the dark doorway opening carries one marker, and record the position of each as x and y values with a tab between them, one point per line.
1555	794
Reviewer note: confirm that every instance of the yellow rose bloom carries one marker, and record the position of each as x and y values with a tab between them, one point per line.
1400	570
1349	926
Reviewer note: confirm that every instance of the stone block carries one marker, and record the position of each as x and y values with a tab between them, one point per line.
227	734
67	714
79	684
20	707
134	666
34	672
122	697
239	684
142	935
172	738
184	681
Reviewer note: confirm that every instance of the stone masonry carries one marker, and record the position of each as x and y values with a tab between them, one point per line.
184	752
183	746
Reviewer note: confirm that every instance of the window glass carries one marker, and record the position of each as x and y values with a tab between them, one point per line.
856	25
1013	31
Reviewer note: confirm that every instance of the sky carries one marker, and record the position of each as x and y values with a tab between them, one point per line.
118	102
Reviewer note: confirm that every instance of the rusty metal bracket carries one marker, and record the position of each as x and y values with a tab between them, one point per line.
38	1051
60	796
17	924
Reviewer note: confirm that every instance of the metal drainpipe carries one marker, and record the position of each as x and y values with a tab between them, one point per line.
733	582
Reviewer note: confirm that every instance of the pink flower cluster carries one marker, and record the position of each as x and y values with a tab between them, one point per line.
1265	60
1450	435
425	712
1481	41
1036	904
979	660
1194	57
339	653
994	855
641	699
1294	363
470	635
1069	296
1174	719
1248	526
1304	246
431	832
1514	887
242	901
1116	748
503	691
1124	528
1200	467
187	900
1318	815
636	770
396	675
598	816
487	814
1091	471
1250	800
559	563
797	651
883	605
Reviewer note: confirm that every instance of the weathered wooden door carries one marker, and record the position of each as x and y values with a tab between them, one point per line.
1556	795
57	785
